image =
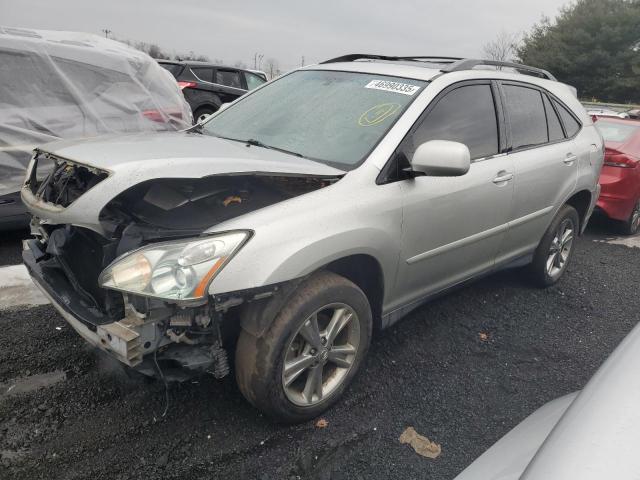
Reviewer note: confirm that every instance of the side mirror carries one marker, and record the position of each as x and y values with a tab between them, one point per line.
441	158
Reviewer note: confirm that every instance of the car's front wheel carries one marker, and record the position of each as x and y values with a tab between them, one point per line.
310	353
556	247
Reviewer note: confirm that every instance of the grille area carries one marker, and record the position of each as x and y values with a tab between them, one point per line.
81	255
59	181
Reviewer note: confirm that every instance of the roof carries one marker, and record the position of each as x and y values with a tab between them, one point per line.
428	67
197	63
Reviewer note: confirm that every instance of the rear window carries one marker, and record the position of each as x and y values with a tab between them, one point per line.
616	132
526	116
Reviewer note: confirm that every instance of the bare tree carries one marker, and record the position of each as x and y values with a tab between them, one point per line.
240	64
155	51
503	48
271	66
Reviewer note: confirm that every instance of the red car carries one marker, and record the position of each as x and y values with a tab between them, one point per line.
620	177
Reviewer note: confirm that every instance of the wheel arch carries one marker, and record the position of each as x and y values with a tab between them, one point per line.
366	272
581	201
207	104
362	269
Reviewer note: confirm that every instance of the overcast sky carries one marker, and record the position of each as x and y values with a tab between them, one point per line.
287	30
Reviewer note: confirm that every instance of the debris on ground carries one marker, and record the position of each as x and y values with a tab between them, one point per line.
322	423
422	445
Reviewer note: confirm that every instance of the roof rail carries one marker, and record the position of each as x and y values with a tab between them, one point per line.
365	56
470	63
454	64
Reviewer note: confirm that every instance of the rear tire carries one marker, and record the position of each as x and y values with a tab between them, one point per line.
317	370
556	248
632	225
202	113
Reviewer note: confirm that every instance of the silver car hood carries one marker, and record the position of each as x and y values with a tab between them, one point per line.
133	159
188	151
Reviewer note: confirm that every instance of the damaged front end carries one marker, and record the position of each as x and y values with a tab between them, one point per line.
138	287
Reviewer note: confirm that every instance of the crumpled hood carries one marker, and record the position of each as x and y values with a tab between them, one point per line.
186	152
134	159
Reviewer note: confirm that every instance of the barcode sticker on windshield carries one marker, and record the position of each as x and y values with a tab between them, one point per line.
397	87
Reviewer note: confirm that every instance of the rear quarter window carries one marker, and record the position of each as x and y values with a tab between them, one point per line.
571	125
553	122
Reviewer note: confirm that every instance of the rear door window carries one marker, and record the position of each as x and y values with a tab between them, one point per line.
526	116
553	122
571	125
466	115
203	73
230	78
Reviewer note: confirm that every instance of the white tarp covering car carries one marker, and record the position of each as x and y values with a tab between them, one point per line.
72	85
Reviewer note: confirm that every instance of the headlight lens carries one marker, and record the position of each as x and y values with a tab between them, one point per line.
180	270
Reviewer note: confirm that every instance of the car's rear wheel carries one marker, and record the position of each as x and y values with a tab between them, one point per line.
202	113
310	353
632	225
556	247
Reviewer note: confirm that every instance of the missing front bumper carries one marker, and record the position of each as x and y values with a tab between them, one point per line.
124	339
130	339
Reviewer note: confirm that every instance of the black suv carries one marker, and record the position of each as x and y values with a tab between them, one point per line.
207	86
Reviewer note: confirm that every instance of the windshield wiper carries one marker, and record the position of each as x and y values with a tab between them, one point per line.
252	141
258	143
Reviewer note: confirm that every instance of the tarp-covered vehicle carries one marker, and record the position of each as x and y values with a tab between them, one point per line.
70	85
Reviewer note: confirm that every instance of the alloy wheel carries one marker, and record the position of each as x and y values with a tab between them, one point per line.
320	354
203	117
560	248
634	223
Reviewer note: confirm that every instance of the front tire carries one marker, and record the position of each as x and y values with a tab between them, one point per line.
310	353
556	248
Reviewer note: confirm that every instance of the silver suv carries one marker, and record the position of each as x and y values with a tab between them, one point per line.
317	208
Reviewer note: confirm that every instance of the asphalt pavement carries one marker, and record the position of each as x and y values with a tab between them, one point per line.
462	370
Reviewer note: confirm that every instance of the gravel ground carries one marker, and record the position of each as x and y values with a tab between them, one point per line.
462	370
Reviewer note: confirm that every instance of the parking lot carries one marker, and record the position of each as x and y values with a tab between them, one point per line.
462	371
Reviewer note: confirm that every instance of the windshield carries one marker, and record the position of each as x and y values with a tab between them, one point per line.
333	117
616	132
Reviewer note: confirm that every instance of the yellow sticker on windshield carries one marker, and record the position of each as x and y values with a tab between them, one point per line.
378	114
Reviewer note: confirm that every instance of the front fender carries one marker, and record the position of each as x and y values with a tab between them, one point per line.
301	235
256	267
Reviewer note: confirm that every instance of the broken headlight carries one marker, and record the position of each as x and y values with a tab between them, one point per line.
176	270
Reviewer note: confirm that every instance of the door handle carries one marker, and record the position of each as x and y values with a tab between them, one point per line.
503	177
570	158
